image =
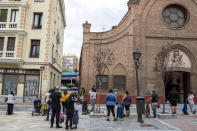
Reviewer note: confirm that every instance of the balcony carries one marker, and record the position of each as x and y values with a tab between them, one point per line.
8	25
9	53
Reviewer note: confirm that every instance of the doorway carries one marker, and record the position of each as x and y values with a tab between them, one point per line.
181	81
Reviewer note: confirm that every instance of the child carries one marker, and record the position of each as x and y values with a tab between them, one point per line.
147	110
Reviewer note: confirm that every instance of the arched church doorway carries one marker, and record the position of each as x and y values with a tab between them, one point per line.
181	81
178	74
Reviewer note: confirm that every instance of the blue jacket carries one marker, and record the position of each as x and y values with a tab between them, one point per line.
110	99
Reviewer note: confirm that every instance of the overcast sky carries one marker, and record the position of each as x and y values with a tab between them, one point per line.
100	13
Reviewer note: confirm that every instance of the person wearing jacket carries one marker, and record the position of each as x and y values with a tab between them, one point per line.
173	98
55	98
110	103
70	111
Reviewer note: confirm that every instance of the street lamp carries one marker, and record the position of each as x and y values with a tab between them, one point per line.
137	58
41	72
139	100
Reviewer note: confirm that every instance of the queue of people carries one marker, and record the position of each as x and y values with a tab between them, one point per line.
56	101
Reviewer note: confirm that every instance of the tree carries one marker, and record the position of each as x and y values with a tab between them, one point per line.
162	65
66	70
102	59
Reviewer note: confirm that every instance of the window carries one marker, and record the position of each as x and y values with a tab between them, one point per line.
104	81
175	16
3	15
119	82
1	43
37	23
35	48
14	16
11	44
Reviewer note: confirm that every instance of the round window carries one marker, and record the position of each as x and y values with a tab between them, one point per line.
175	16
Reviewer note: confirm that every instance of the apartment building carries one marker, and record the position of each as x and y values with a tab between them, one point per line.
31	46
70	63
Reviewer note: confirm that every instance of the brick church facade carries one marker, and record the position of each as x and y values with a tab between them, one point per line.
148	26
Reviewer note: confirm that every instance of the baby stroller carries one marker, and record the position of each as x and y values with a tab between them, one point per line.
37	107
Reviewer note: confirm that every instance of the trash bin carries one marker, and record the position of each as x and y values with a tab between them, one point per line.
140	104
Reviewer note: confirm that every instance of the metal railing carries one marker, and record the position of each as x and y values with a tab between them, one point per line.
9	53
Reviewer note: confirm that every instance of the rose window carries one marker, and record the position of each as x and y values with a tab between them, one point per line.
175	16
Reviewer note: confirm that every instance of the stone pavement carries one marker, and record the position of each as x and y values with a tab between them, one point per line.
23	121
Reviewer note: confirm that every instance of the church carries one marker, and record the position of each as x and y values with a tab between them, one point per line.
148	25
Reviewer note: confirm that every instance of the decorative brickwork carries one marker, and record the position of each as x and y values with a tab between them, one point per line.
48	35
23	17
20	46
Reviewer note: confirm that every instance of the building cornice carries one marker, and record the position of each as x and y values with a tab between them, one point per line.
20	32
14	4
42	63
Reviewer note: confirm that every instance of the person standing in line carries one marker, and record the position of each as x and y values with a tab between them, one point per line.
56	107
190	100
173	99
126	100
92	99
110	103
10	103
64	98
48	101
69	110
82	94
116	94
154	102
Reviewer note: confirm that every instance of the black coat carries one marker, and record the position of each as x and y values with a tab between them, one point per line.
70	105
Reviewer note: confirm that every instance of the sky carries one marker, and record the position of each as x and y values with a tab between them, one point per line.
101	14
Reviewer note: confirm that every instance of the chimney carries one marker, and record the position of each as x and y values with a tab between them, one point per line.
86	27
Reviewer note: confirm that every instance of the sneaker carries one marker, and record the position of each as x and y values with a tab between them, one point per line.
66	127
51	126
107	119
115	119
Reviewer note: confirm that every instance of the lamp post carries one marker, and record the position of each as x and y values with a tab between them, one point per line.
139	100
137	58
41	72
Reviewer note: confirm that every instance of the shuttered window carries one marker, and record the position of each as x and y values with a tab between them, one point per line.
119	82
11	44
10	83
3	15
104	81
1	43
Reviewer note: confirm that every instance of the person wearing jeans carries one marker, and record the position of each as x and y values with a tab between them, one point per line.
154	103
110	103
92	99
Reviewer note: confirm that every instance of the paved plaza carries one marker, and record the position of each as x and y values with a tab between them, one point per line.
23	121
